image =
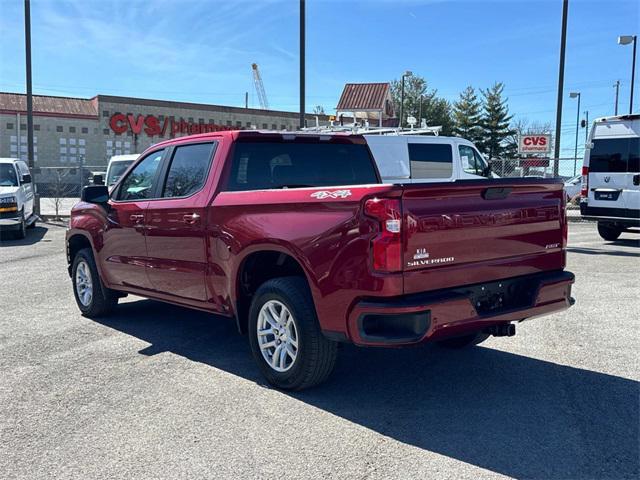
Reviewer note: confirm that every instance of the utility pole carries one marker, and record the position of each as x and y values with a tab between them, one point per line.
617	85
31	159
302	62
563	43
575	153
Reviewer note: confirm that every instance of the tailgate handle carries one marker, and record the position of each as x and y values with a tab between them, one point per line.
496	193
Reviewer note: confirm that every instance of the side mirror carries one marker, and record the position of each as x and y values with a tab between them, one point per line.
26	178
98	194
98	180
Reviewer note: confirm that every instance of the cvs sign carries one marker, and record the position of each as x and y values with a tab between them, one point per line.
534	144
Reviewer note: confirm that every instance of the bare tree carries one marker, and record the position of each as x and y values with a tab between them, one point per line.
522	126
60	188
318	110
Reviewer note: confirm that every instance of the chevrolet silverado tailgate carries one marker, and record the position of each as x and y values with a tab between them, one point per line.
474	231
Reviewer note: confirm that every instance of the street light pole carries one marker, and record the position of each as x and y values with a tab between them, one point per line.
617	85
575	153
563	43
31	159
420	110
302	62
407	73
626	40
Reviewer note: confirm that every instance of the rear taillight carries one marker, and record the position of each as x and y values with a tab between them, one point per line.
386	247
584	189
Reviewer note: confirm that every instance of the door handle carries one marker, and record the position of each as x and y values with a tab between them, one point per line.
136	218
190	218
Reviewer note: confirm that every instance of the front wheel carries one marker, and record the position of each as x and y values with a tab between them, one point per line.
285	336
608	232
22	228
93	298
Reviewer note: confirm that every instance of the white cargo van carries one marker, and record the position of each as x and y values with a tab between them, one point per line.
422	159
611	175
16	197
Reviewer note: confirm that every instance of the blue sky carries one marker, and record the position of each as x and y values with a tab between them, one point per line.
202	51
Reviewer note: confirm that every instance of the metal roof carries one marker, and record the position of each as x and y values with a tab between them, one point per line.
44	104
360	97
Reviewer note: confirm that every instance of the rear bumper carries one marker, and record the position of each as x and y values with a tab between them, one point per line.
623	216
450	312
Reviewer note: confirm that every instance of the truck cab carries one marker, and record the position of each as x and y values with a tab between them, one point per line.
611	175
426	159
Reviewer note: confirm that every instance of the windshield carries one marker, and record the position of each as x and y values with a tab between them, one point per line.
8	177
116	169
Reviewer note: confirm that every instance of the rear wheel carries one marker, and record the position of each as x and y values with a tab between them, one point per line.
464	342
285	337
92	297
608	231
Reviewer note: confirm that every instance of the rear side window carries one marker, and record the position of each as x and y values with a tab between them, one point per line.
615	155
430	160
273	165
188	169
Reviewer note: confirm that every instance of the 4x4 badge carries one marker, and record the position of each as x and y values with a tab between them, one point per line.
335	194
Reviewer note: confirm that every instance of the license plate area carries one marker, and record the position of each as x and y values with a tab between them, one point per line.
611	195
495	297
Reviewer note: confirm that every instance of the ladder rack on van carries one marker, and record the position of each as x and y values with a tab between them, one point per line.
368	130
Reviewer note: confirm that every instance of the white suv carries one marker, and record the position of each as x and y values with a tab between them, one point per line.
16	197
611	175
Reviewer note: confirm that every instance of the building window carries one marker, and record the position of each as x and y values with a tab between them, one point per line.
72	129
23	126
9	126
283	127
239	124
81	151
82	142
212	121
63	141
201	120
274	126
229	123
85	130
190	119
63	159
36	128
59	129
265	126
105	113
72	141
248	124
105	131
63	150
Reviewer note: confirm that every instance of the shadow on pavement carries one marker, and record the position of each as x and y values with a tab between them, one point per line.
34	235
601	251
507	413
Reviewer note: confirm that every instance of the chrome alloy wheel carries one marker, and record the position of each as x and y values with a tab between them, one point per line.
84	284
277	336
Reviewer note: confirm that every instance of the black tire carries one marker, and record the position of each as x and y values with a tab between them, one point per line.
464	342
316	355
103	300
608	232
22	231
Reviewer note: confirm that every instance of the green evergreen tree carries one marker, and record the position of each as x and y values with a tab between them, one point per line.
435	110
467	116
495	123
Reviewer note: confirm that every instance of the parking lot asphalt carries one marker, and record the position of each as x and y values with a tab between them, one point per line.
157	391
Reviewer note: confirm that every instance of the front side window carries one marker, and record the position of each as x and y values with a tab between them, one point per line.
615	155
472	161
138	184
430	160
188	170
273	165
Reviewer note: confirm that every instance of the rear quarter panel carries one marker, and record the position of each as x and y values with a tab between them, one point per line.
328	237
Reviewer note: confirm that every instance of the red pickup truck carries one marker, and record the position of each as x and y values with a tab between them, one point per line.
295	237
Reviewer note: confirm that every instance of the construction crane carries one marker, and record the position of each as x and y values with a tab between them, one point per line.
257	80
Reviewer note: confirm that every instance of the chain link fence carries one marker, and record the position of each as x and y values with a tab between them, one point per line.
566	168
